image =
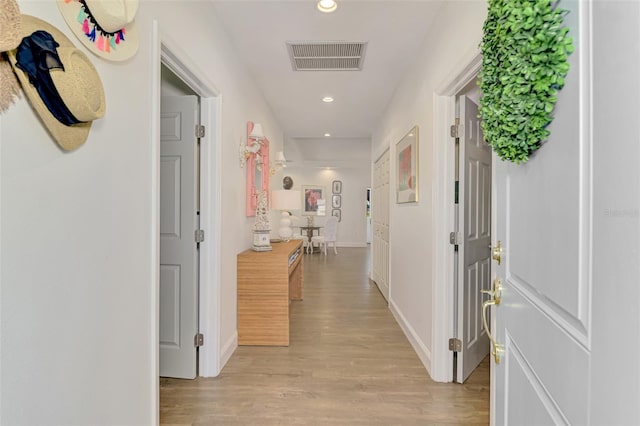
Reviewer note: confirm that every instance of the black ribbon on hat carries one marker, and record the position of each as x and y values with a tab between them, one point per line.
37	54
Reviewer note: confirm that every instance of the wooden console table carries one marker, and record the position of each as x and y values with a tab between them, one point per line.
267	281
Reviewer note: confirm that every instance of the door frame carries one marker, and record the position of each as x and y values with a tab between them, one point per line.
173	57
444	101
210	204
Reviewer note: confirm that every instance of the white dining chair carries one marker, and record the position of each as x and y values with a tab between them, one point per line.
306	244
330	236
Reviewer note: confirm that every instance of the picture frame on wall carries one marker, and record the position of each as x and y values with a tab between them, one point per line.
336	187
313	201
337	213
336	201
407	168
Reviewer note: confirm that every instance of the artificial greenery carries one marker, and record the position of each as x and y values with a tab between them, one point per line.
525	49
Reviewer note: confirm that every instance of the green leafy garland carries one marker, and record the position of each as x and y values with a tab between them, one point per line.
525	49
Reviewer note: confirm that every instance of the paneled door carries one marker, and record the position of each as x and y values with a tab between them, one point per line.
380	219
178	249
543	265
473	253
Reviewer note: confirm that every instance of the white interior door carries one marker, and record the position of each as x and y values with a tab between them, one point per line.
474	252
178	249
543	212
380	219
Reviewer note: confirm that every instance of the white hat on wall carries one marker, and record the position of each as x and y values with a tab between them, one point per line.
105	27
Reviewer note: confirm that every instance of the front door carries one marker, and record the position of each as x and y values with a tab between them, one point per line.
542	323
474	253
178	249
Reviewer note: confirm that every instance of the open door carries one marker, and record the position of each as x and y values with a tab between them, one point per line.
178	246
543	245
475	239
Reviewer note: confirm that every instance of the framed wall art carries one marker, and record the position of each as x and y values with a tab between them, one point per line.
337	213
407	168
313	200
337	187
336	201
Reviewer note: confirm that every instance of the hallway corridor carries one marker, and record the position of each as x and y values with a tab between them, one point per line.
348	364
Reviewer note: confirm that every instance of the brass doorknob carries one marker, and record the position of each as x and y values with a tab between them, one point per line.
496	252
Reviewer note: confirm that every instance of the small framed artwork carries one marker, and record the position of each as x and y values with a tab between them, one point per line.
337	187
313	201
407	168
336	201
337	213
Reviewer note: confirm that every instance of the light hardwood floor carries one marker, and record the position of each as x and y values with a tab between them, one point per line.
348	364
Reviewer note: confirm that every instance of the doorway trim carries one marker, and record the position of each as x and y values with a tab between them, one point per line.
173	57
444	100
210	202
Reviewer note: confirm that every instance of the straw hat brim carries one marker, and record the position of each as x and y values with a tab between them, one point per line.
123	51
9	86
68	137
10	24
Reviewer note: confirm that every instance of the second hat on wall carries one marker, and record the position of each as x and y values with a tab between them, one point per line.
60	82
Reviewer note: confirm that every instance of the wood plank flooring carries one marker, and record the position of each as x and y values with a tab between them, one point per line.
348	364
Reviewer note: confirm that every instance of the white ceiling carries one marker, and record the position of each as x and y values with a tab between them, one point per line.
394	30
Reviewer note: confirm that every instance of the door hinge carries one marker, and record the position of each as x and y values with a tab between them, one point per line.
455	129
198	340
199	235
454	238
199	131
455	345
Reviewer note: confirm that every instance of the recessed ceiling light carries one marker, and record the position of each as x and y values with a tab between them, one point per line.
327	99
327	135
327	6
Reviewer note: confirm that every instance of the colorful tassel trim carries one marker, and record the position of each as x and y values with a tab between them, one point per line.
82	16
105	42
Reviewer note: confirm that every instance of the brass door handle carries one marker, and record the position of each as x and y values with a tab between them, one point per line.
496	292
496	252
497	350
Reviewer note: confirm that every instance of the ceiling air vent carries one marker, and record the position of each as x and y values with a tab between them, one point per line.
326	55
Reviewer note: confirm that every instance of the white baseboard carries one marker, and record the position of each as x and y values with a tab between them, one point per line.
423	352
227	350
348	244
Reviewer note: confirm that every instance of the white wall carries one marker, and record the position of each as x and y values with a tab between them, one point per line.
455	34
77	263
